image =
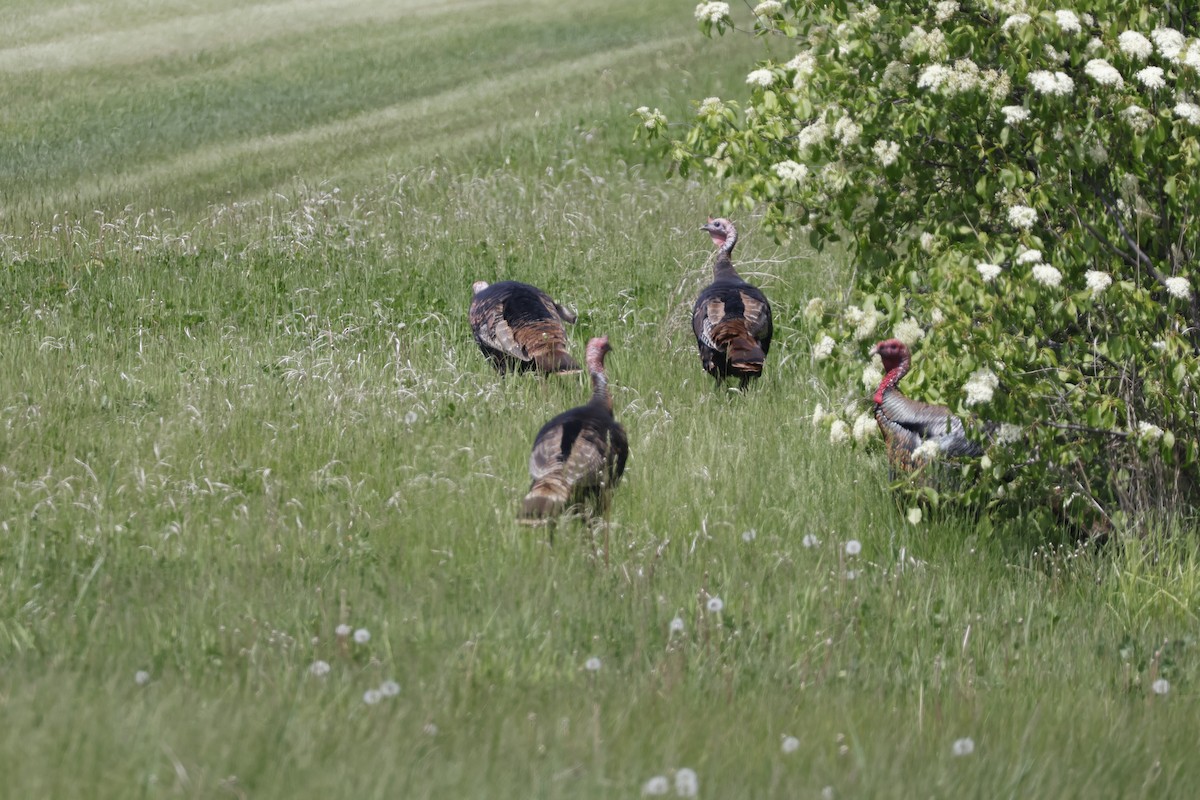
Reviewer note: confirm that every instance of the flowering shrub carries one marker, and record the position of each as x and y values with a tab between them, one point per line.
1016	184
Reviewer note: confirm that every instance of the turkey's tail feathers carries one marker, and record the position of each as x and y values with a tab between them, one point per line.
546	343
555	358
546	499
743	353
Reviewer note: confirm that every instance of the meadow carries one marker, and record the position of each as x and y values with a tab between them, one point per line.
240	407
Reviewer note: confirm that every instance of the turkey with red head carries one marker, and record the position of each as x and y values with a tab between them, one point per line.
731	318
579	455
518	326
906	423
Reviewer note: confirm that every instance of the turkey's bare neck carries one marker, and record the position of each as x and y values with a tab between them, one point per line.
600	395
892	379
723	266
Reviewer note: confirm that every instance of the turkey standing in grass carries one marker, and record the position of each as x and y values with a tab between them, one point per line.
580	454
731	318
906	423
519	326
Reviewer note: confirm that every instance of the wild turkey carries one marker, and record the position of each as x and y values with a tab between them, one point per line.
520	327
580	454
906	423
731	318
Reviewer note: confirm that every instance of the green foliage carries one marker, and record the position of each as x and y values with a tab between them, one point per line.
1058	151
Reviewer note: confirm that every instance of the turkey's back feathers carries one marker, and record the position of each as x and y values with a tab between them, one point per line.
733	327
519	326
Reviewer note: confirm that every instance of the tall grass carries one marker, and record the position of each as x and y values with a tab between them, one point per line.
240	406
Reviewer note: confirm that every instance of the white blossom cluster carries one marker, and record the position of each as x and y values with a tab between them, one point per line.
847	131
1022	217
790	172
1068	21
712	12
1046	275
1014	114
945	10
1016	21
864	427
1051	83
710	107
988	272
1189	112
864	322
1151	77
980	387
652	120
1179	288
1104	73
908	331
872	375
811	135
1169	42
1138	118
839	432
927	451
920	42
1097	281
886	152
761	77
803	64
1135	44
823	349
768	8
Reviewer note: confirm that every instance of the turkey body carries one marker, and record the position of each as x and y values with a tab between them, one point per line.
579	455
731	318
905	423
520	327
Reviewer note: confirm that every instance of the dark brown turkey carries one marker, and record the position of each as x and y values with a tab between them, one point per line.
580	454
906	423
520	327
731	318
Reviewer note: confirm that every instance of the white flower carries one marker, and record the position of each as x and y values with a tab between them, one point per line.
1169	42
652	120
864	427
1097	281
839	432
1047	275
319	669
869	14
790	744
791	172
989	272
1008	433
675	626
686	783
872	374
1014	114
886	152
1188	111
1016	20
847	131
372	696
980	386
1022	217
908	331
592	664
914	516
715	604
389	688
803	63
966	745
429	729
818	415
815	308
864	322
1138	118
749	535
712	12
823	349
936	317
1135	44
342	630
710	107
1179	288
1149	431
1054	83
853	547
945	10
362	636
928	242
812	135
410	418
656	786
810	540
768	8
761	77
934	77
1068	21
928	450
1160	686
141	677
1151	77
1030	257
1103	73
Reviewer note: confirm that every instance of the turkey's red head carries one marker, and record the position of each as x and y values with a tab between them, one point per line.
720	230
893	352
596	350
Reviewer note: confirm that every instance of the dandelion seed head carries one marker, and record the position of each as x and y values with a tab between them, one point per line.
749	535
790	744
1160	686
342	630
362	636
715	605
319	669
141	677
389	688
853	547
372	696
656	786
963	747
810	540
675	626
687	784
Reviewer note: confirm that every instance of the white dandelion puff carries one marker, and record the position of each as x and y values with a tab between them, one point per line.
411	418
963	747
656	786
749	535
810	540
1022	217
362	636
675	626
342	630
1178	288
389	688
141	677
790	744
1135	44
687	784
429	729
372	696
592	664
853	547
319	669
715	605
1160	686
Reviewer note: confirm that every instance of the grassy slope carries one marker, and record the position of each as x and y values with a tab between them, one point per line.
229	427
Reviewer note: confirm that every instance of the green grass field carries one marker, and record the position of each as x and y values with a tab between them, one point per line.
240	406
